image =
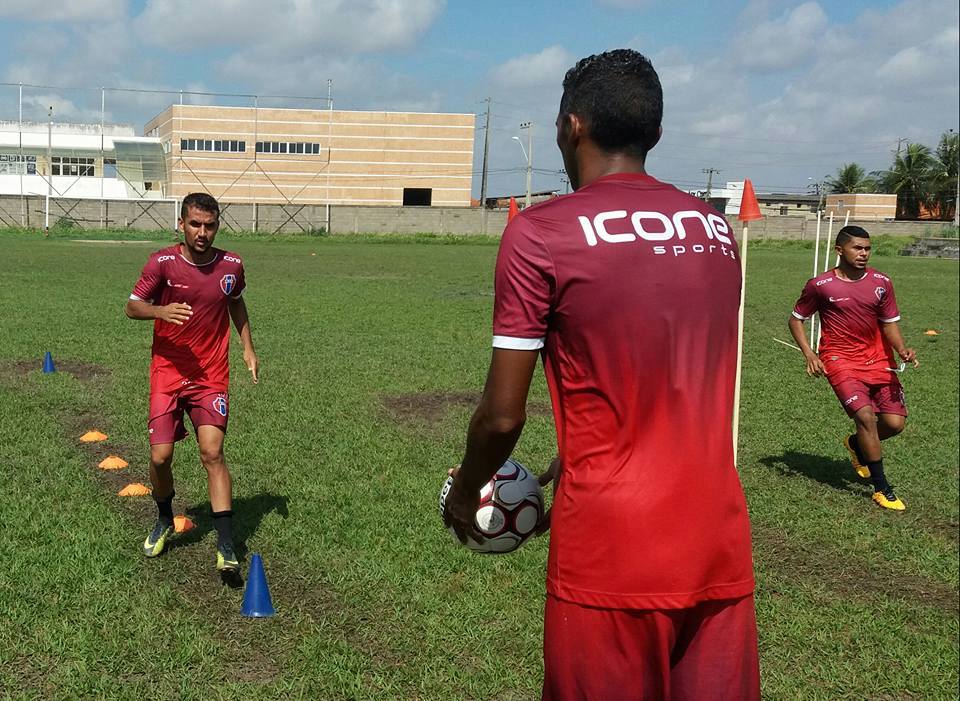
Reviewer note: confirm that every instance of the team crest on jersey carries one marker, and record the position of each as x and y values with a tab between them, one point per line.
228	283
220	405
880	292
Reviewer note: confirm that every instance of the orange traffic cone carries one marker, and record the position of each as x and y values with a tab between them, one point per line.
513	211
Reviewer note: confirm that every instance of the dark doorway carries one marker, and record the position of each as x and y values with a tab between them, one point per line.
417	196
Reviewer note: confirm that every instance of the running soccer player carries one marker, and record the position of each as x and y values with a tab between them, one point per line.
191	291
858	317
629	290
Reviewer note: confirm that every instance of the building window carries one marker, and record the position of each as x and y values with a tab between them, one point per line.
222	145
305	147
71	166
417	196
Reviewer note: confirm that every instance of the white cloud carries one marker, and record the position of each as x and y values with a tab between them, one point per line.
544	68
289	27
783	43
74	10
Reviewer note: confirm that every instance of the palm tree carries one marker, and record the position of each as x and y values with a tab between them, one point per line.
911	178
851	178
944	182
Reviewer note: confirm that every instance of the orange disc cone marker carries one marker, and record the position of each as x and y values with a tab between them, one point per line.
931	332
134	490
93	436
749	207
112	462
182	524
513	211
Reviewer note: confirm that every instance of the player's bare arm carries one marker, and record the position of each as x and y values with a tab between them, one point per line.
241	320
814	365
891	331
493	433
176	313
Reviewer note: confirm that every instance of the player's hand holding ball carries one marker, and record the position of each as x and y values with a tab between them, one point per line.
500	516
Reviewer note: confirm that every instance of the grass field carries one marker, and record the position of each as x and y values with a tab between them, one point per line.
373	353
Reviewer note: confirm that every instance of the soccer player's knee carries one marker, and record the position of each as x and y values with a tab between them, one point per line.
212	459
162	457
895	424
865	418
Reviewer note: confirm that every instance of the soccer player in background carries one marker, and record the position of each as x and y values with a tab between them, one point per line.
858	317
190	291
629	290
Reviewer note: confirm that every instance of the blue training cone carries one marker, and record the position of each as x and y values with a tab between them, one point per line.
48	365
256	595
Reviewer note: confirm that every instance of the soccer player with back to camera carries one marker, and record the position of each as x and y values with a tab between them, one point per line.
190	291
629	289
858	317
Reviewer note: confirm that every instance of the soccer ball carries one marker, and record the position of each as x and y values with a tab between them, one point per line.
511	506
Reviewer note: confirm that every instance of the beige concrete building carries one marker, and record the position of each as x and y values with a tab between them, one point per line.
862	207
304	156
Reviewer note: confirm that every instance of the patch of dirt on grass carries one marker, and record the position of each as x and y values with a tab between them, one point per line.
431	407
850	578
14	370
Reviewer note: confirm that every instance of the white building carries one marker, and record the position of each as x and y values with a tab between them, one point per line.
80	161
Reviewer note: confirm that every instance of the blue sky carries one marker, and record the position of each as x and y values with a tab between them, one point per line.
781	92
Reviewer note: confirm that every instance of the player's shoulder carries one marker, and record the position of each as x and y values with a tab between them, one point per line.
228	257
165	254
823	279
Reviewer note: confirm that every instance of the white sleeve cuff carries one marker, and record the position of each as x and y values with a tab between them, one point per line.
800	316
139	299
890	321
512	343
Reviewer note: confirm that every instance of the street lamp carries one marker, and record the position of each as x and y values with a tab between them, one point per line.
528	154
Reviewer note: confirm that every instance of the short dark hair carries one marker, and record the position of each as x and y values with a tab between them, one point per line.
851	232
619	96
203	201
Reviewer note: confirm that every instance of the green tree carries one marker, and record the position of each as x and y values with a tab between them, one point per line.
911	178
944	179
851	177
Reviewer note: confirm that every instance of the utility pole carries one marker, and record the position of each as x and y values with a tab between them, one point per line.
483	176
46	216
900	140
956	202
529	127
709	172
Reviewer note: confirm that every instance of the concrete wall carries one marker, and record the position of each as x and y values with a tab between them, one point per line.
28	212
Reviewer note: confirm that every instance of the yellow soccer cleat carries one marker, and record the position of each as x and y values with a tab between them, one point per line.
227	560
157	540
888	500
862	470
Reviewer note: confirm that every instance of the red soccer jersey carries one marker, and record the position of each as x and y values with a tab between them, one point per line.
195	354
631	288
851	312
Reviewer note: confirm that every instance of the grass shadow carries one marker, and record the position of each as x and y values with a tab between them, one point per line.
838	474
248	512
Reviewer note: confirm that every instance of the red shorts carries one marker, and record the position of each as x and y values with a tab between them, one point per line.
704	653
885	397
205	408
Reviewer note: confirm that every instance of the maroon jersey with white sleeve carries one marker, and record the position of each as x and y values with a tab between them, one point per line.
196	353
851	313
631	289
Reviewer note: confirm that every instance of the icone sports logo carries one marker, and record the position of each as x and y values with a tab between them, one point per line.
231	259
823	282
656	227
851	400
163	258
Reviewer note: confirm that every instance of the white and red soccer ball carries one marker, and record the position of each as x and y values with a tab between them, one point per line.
511	506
